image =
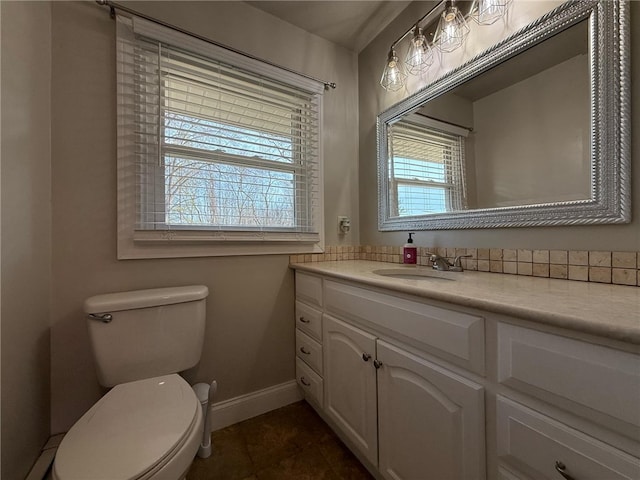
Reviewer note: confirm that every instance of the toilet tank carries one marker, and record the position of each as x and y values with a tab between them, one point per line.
150	333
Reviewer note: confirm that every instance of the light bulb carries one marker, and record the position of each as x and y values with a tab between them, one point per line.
489	11
393	78
420	55
452	29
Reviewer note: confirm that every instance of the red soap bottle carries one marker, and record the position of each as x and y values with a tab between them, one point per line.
410	252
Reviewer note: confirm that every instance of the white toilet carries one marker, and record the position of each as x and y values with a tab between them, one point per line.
149	425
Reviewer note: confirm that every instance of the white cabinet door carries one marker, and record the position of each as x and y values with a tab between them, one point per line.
350	383
430	420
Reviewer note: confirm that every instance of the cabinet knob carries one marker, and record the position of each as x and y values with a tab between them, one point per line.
366	357
560	468
304	382
304	350
304	320
377	363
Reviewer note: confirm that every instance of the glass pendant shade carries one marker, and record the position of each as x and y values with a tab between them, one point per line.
393	78
453	29
489	11
420	55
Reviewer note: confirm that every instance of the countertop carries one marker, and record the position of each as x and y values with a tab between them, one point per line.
611	311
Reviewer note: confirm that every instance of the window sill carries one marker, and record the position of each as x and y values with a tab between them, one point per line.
183	244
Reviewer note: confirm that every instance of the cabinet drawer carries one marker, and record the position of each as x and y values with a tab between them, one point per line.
533	443
309	350
558	368
309	288
310	382
455	336
309	320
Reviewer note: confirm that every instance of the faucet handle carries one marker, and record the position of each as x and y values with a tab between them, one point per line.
440	263
457	262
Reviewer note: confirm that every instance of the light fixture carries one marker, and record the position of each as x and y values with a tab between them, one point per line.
489	11
452	29
446	26
420	55
393	78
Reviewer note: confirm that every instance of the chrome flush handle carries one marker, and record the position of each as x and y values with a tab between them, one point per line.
101	317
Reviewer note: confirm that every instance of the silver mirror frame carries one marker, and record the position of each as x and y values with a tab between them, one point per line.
610	126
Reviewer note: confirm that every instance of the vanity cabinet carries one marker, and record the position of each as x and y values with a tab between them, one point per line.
425	418
426	390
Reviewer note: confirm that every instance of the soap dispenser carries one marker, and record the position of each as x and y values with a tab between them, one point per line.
410	252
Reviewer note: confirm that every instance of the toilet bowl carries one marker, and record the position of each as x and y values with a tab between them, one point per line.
150	424
146	429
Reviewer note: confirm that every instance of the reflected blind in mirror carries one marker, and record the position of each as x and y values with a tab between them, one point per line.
217	147
426	170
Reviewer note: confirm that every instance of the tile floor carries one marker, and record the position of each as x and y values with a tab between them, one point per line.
292	442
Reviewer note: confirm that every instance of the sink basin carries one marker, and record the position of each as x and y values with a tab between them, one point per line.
413	273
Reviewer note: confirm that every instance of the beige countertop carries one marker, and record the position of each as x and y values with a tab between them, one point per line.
606	310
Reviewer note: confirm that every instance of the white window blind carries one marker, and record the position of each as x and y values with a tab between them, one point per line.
426	170
214	147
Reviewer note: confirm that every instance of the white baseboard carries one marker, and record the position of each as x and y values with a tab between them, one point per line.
241	408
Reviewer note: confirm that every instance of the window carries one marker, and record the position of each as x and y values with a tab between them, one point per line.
215	150
425	169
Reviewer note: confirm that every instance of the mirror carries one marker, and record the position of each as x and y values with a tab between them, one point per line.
534	131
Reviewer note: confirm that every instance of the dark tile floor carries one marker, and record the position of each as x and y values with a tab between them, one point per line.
292	442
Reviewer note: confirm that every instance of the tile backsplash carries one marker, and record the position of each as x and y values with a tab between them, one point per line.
620	268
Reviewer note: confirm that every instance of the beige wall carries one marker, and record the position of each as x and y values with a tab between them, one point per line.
249	340
26	233
513	167
373	100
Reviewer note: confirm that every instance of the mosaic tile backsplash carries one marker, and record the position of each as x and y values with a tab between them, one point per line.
620	268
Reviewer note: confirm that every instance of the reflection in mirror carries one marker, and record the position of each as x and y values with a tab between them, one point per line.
426	166
543	93
530	135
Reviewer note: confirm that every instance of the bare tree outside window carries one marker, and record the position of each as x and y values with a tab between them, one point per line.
241	177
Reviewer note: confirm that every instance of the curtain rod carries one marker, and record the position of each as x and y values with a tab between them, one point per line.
444	121
115	6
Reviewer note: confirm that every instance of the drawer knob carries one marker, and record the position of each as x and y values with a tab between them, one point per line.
304	382
366	357
560	468
304	320
304	350
377	363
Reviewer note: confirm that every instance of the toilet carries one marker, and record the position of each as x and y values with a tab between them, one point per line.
150	424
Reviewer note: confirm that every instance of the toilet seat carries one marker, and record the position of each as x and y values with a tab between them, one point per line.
131	432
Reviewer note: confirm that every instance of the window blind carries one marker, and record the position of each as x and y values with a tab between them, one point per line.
426	170
213	146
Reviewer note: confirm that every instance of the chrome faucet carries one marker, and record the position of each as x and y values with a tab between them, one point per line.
444	265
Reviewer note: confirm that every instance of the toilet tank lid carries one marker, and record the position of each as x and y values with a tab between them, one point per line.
154	297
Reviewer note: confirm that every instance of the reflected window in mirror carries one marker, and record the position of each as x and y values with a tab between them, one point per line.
426	167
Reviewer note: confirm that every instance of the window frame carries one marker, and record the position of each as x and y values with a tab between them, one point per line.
196	241
455	189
